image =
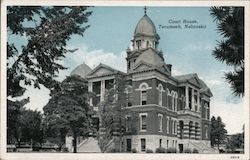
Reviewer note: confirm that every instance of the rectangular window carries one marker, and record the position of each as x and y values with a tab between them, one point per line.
160	98
143	97
160	122
129	146
173	127
167	143
143	122
169	102
138	44
143	144
167	125
190	98
160	142
128	123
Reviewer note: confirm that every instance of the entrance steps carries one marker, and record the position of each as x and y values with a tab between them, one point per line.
89	145
203	148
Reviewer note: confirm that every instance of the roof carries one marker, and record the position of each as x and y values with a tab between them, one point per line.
81	70
145	26
151	57
190	77
103	70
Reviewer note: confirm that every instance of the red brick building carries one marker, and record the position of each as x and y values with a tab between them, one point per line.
171	111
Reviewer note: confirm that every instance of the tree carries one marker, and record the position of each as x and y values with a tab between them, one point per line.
31	127
69	108
230	24
23	125
235	141
37	61
14	111
218	132
112	116
55	132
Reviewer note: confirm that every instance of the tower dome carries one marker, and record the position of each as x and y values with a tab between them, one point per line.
81	70
145	26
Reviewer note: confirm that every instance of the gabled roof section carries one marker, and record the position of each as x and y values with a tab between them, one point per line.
195	80
102	70
150	56
165	68
142	65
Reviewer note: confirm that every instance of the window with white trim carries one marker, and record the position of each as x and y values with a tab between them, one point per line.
143	121
176	101
160	89
143	88
160	116
173	100
128	122
143	144
143	97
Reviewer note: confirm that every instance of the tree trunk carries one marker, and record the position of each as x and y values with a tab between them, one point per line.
19	143
75	143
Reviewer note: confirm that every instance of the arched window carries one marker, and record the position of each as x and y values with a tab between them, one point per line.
173	100
143	88
167	97
176	101
160	89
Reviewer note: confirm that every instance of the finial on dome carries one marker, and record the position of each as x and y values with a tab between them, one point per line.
145	10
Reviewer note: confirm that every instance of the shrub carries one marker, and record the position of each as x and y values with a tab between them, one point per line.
65	149
160	150
133	150
195	150
149	151
187	150
171	150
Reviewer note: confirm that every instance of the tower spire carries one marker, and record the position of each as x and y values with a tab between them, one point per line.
145	10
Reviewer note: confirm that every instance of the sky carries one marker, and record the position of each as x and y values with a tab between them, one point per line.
188	50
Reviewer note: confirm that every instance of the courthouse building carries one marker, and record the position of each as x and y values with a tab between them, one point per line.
171	111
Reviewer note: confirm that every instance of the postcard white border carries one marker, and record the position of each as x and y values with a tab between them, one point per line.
120	156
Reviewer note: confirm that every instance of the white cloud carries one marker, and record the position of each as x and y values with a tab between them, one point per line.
38	97
213	82
92	58
176	72
232	114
